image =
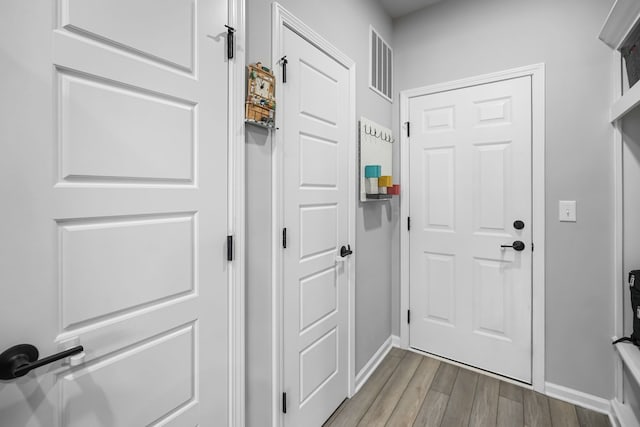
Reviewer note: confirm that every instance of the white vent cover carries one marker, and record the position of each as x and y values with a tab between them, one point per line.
380	65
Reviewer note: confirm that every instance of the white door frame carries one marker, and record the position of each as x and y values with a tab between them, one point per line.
236	217
537	73
281	19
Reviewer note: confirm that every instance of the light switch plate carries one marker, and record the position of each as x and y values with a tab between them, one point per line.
567	210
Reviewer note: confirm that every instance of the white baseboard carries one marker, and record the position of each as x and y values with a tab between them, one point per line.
395	341
373	363
579	398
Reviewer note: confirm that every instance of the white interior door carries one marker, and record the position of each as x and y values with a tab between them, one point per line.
113	163
315	204
470	172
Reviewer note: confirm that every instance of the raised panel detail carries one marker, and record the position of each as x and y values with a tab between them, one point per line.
314	85
318	297
440	286
113	265
167	36
144	384
111	133
491	294
493	111
439	185
318	162
438	120
491	181
318	363
318	229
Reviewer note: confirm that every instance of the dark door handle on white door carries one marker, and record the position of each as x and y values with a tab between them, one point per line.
20	359
517	245
345	251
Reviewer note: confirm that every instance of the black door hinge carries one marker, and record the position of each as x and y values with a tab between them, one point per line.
284	238
284	63
284	403
408	316
408	223
229	248
230	41
408	129
533	246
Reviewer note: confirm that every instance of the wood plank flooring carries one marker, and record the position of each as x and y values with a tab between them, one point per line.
408	389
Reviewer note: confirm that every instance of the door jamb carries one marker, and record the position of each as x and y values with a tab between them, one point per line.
236	212
537	73
282	18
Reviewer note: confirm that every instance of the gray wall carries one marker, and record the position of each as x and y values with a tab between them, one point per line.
462	38
346	25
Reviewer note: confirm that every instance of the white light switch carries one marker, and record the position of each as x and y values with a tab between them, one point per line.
567	210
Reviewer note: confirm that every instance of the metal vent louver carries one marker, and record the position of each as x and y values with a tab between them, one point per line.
381	65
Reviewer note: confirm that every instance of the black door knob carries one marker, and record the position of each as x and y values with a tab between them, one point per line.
518	225
517	245
345	251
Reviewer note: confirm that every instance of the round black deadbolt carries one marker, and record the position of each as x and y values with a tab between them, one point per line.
518	225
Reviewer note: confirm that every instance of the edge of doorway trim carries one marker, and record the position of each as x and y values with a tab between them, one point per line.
537	73
236	218
282	18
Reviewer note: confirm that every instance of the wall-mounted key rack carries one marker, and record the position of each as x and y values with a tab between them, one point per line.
376	162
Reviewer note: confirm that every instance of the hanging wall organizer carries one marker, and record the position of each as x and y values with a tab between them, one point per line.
376	160
260	106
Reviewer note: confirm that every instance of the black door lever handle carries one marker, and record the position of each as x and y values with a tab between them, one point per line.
345	251
20	359
517	245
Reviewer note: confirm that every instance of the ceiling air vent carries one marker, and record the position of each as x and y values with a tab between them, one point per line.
381	65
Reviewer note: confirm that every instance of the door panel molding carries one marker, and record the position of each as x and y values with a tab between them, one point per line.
281	19
537	73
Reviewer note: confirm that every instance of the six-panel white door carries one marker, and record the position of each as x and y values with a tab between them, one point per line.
315	198
113	169
470	171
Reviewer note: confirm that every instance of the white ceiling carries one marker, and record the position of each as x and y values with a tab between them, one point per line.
397	8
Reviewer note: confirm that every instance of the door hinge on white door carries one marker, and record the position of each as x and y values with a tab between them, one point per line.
284	61
229	248
284	403
533	246
284	238
230	41
408	316
408	223
408	129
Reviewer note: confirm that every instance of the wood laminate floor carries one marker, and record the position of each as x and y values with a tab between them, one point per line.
408	389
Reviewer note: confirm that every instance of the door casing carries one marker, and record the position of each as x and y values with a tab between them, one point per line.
537	73
282	18
236	215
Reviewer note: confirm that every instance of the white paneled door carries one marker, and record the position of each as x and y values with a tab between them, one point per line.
113	161
470	196
315	177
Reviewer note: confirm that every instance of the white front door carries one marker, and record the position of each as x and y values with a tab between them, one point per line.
315	203
470	176
113	167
